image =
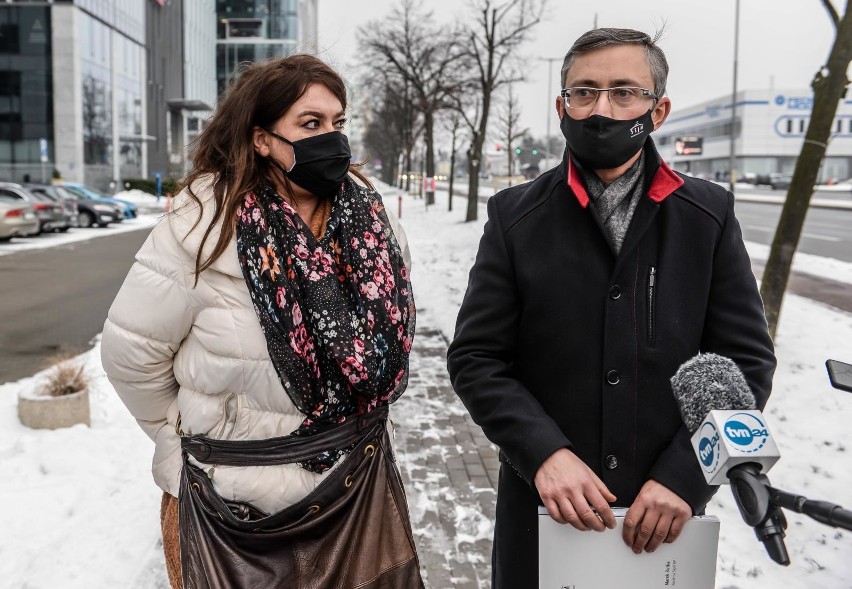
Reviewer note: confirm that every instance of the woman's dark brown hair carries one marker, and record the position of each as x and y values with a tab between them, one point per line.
262	94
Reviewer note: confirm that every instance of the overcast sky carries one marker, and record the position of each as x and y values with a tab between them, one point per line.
782	43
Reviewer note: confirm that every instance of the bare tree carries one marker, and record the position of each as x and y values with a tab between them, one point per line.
453	125
384	133
829	85
494	40
509	119
392	128
426	56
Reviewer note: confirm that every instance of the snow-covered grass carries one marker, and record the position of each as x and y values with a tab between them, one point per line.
81	508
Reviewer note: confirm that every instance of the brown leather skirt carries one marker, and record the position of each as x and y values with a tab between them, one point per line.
171	539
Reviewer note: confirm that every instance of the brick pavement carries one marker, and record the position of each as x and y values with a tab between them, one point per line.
450	473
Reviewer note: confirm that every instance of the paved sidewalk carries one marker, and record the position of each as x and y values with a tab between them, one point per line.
450	473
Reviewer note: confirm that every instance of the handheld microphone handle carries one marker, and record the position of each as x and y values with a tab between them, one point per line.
824	512
751	493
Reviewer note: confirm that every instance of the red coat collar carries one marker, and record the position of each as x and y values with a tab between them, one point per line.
665	182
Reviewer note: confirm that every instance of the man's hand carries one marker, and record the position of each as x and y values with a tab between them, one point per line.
658	515
570	491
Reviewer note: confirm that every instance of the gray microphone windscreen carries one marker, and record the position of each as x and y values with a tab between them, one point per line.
707	382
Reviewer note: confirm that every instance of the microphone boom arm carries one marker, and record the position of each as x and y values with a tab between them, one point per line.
824	512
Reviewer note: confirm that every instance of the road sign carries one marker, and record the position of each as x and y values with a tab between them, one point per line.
42	143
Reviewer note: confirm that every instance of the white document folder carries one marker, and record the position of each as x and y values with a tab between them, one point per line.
571	559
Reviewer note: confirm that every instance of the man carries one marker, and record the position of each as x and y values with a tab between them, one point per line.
592	285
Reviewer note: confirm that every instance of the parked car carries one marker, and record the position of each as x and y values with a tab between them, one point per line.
763	179
69	207
17	218
92	212
779	181
49	213
131	211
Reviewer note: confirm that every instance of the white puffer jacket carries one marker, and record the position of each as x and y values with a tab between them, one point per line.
170	348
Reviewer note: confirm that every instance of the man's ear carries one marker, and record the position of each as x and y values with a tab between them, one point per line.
260	140
661	111
560	107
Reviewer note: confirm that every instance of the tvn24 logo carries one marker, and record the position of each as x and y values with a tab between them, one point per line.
746	431
743	431
708	446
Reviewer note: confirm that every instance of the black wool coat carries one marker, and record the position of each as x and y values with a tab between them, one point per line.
560	343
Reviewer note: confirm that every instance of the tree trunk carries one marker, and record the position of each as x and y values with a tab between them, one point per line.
452	170
407	170
476	154
509	154
428	123
829	87
474	165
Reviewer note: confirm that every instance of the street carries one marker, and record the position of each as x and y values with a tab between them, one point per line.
827	232
56	300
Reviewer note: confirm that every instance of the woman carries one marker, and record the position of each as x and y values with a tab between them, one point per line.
263	315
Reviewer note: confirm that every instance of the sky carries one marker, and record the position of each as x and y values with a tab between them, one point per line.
782	43
66	489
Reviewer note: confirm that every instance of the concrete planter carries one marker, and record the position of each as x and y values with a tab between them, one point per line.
47	412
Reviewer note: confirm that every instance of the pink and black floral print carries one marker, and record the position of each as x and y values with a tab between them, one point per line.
338	313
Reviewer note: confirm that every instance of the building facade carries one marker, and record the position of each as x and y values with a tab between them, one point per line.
72	90
26	91
98	91
256	30
181	39
769	131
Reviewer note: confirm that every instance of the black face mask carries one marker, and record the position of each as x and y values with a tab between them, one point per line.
601	143
320	163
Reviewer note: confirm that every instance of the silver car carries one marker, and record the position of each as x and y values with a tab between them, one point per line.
59	196
49	212
17	218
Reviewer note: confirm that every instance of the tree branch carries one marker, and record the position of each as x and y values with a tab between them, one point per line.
832	13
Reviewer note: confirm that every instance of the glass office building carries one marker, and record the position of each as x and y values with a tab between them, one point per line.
255	30
26	90
72	75
97	91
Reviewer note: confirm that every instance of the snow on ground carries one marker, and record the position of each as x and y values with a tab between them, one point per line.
80	505
46	240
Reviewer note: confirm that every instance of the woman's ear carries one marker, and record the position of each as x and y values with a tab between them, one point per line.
260	140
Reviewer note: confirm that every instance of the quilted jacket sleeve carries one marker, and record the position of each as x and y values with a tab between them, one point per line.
150	317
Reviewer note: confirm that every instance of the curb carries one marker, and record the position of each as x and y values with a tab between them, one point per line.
816	203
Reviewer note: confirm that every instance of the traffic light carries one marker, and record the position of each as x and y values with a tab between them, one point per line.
518	150
499	147
534	151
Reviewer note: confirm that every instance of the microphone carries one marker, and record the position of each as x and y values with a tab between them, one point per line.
732	442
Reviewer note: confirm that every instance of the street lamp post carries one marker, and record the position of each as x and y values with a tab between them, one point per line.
549	109
732	173
227	23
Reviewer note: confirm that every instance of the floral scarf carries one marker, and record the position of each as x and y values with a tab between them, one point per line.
338	312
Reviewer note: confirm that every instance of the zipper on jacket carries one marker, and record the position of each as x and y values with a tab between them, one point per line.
652	285
226	415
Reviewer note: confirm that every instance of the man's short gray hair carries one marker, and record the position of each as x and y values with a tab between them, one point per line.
598	38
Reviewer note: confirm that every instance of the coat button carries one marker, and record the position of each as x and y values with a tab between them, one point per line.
612	377
615	292
611	462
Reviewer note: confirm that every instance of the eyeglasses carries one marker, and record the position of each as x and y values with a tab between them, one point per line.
621	97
